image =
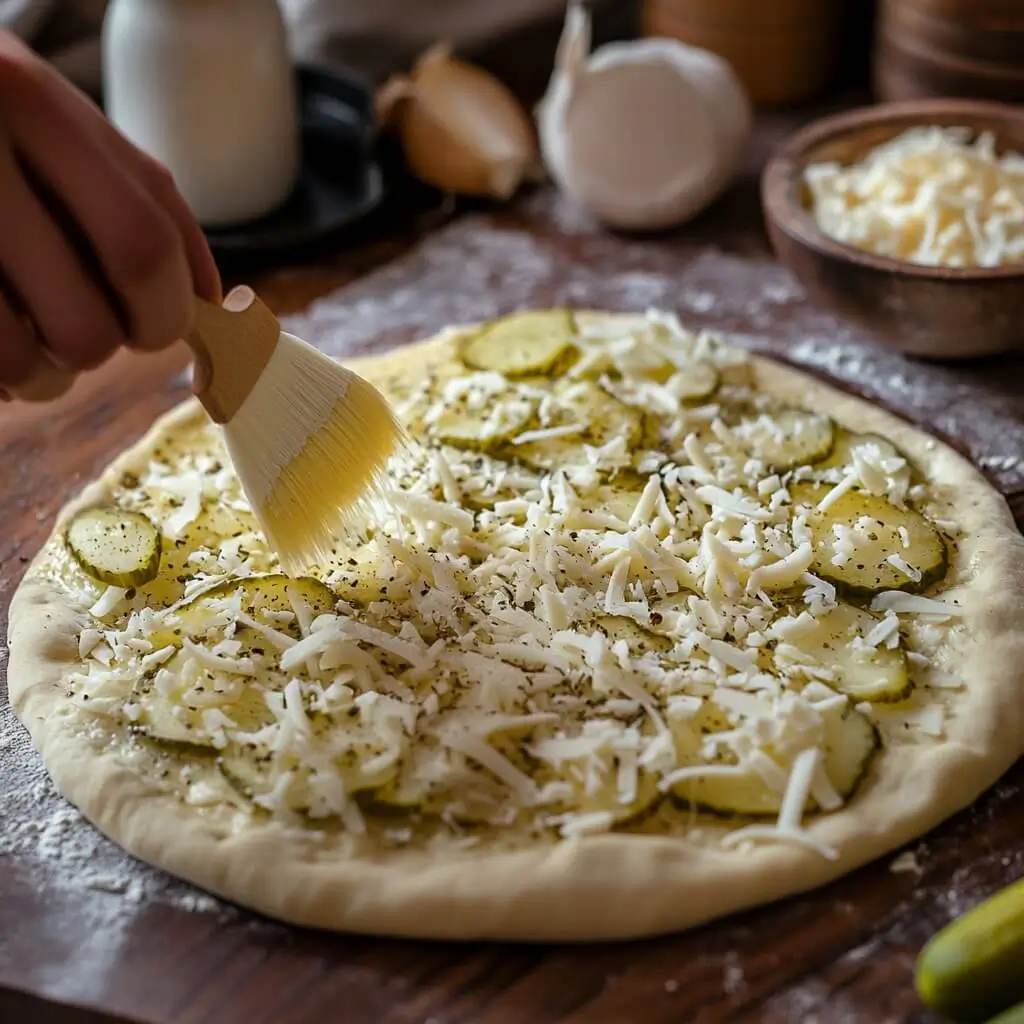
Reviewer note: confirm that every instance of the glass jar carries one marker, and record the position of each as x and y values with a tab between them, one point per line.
207	88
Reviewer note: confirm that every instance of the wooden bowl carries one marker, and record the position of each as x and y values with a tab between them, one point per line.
936	312
962	48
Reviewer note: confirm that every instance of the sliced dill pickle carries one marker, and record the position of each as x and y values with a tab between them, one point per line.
485	429
848	442
877	674
850	744
523	344
798	438
890	531
254	769
170	719
598	417
273	592
115	546
268	592
641	641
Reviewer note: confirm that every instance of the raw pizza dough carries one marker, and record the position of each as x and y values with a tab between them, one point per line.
588	888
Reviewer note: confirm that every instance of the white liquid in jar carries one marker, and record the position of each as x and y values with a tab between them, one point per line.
207	88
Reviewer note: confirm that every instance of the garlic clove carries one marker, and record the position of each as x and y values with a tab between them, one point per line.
733	113
645	133
570	62
647	175
461	129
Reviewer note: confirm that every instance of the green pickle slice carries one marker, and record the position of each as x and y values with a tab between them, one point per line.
974	967
115	546
523	344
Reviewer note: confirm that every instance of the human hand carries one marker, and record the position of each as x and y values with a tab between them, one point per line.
97	247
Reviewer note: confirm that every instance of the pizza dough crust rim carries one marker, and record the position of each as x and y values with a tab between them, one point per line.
596	887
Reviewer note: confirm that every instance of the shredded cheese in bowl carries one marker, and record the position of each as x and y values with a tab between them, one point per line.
932	196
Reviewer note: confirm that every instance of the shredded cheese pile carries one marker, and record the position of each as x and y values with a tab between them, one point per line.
544	650
930	196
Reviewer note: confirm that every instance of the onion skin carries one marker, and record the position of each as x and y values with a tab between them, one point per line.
461	129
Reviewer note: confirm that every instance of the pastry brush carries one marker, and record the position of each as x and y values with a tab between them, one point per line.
309	438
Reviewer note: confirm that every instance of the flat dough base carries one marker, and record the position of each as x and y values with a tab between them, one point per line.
591	888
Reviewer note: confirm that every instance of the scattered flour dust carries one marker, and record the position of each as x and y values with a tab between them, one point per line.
734	980
482	266
55	848
905	862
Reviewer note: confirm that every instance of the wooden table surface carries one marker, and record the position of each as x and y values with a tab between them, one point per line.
82	924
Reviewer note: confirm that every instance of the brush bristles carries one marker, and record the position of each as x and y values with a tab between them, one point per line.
310	445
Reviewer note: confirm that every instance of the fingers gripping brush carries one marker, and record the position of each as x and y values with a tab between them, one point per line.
309	439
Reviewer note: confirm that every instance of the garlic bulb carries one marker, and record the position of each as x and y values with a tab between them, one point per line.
461	129
644	134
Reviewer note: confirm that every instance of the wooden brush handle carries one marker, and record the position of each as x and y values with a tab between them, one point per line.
233	344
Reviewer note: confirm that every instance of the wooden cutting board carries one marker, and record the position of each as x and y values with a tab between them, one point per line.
81	923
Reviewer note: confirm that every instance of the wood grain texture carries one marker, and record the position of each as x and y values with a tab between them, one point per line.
232	345
931	48
784	52
154	950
